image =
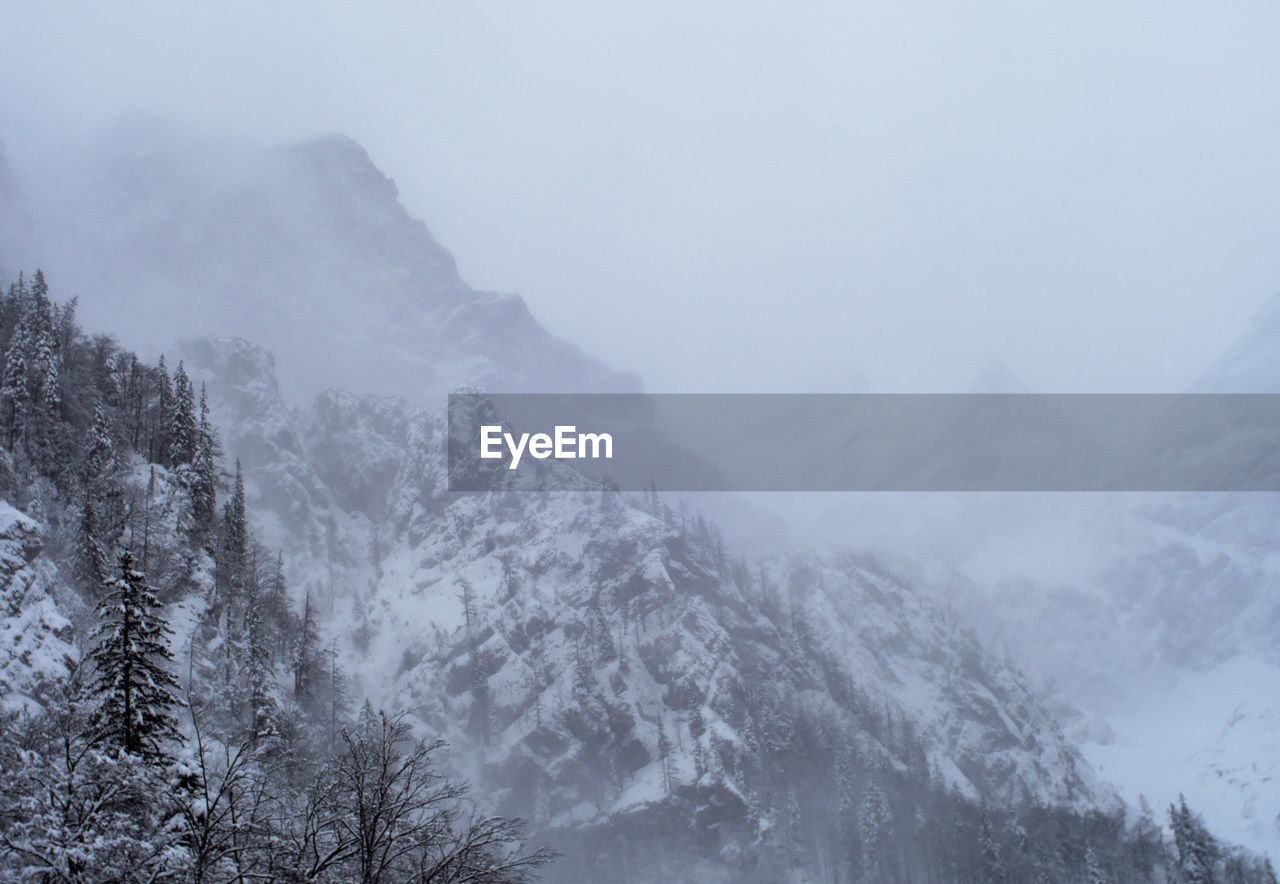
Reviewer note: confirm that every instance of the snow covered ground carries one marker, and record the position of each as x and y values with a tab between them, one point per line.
1213	735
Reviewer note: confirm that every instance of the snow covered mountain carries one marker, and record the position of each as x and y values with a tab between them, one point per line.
304	248
1166	635
607	666
563	642
1166	644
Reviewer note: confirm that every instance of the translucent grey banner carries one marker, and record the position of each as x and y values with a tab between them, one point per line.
857	442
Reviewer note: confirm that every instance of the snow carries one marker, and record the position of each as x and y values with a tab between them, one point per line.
35	636
1213	735
1155	619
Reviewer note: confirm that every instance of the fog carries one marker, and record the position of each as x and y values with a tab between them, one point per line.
709	197
742	197
755	196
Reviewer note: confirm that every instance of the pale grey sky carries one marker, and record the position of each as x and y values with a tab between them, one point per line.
770	196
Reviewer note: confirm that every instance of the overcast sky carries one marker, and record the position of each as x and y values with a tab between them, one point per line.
770	196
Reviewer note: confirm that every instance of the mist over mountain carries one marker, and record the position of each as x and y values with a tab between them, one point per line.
604	666
1159	630
304	248
654	699
1148	622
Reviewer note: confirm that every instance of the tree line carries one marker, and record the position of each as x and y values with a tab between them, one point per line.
235	757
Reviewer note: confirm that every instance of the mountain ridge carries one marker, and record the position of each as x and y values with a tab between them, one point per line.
304	247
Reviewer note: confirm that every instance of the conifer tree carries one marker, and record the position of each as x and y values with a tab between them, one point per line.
306	659
276	607
18	294
183	431
874	823
848	815
130	659
606	650
44	359
47	369
1197	851
41	344
13	387
664	755
262	704
992	864
583	681
510	579
339	698
479	724
652	505
43	354
91	559
39	287
1148	846
65	328
361	628
96	505
100	458
697	727
793	828
204	473
235	543
158	437
44	439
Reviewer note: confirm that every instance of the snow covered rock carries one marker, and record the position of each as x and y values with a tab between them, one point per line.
35	637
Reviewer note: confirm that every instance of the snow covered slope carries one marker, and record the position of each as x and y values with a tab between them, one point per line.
1166	644
554	638
1213	735
35	635
1165	634
561	641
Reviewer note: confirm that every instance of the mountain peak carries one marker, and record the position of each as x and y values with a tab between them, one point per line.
304	247
342	156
